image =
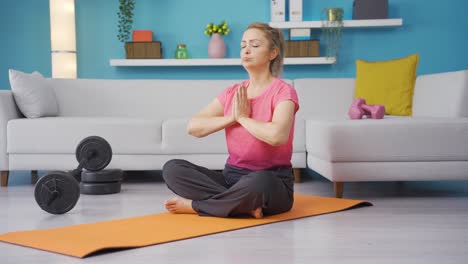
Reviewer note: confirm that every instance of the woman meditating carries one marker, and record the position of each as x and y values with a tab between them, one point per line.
258	118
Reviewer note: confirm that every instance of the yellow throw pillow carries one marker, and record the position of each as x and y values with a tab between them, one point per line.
390	83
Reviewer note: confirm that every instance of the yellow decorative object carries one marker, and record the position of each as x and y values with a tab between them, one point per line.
390	83
222	29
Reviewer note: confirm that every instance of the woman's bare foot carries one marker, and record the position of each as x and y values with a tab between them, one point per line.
257	213
178	205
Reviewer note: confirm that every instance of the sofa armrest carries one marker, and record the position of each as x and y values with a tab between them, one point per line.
8	111
441	95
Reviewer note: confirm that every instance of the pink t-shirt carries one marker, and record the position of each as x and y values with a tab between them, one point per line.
245	150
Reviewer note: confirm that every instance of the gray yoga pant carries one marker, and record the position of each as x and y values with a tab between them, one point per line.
232	192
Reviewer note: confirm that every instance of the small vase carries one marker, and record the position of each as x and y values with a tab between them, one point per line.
216	46
334	14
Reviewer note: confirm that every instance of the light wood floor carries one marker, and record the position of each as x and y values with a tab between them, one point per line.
410	222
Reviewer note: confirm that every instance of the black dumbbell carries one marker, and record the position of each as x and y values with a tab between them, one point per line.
101	182
59	191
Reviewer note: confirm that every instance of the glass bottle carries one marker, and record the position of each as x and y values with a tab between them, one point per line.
181	52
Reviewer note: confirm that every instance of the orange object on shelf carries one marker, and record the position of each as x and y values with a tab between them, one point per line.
142	36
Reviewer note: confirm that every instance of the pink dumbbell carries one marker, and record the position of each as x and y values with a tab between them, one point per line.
359	108
375	111
356	111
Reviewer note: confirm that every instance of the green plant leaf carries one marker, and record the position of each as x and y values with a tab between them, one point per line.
125	21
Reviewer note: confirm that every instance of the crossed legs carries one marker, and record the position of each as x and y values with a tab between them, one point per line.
208	192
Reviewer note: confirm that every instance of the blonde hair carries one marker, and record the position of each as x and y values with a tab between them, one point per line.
276	39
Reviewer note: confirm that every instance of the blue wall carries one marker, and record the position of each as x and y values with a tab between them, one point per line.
435	29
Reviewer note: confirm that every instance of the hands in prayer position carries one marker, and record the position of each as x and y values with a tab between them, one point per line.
241	105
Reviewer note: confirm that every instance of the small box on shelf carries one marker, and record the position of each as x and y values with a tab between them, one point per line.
302	48
370	9
299	34
143	50
142	36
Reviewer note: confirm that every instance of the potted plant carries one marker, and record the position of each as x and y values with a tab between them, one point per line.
216	46
332	24
125	15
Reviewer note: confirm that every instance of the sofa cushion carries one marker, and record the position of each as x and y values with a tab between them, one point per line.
389	83
176	140
393	138
61	135
33	95
154	99
441	95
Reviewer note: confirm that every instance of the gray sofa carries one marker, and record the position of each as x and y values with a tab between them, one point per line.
145	123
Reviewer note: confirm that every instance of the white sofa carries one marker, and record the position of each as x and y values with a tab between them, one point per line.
432	144
145	123
143	120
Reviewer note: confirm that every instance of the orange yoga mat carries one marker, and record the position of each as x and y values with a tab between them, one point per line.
85	239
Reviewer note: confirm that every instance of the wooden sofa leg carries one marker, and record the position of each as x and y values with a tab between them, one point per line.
34	177
5	178
338	186
297	175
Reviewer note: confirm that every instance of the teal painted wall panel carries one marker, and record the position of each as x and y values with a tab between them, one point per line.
429	29
25	38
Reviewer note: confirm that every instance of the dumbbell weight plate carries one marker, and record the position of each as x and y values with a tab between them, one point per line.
95	153
111	175
57	192
100	188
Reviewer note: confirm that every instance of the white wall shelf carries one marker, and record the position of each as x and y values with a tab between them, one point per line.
212	62
390	22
